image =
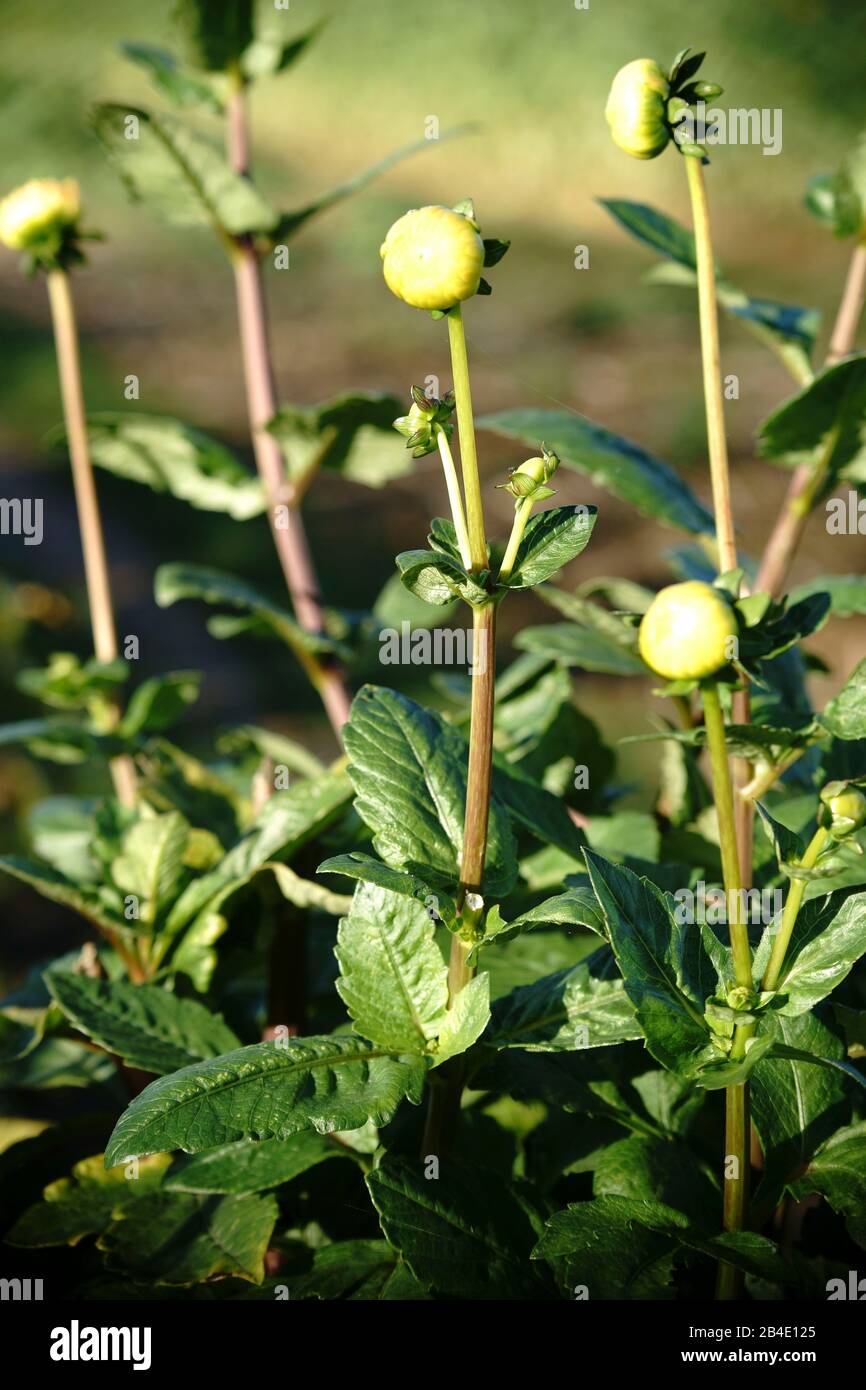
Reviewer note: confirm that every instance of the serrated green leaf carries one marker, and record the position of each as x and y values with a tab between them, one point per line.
393	979
465	1020
169	456
644	1168
830	936
795	1106
583	1007
178	173
437	579
150	864
362	866
609	462
268	1090
251	1167
838	1171
147	1026
845	716
665	968
83	1204
822	425
551	539
467	1235
409	772
184	1238
614	1245
351	434
577	907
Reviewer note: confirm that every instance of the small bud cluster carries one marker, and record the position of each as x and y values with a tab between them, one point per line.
531	478
843	809
426	417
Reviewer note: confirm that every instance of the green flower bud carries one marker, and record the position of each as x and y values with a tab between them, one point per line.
38	212
433	257
687	630
843	809
530	479
636	109
426	416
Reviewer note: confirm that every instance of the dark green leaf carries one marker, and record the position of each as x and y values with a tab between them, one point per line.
466	1235
822	425
183	1238
159	702
145	1025
369	870
582	648
550	540
583	1007
667	975
437	579
269	1090
83	1204
252	1167
409	772
609	462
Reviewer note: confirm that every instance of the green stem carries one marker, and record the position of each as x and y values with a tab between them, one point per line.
711	360
446	1086
466	429
793	902
736	1190
454	497
723	794
522	515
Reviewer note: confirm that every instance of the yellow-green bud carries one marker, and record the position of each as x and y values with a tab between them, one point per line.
432	258
530	479
32	213
687	632
636	109
845	809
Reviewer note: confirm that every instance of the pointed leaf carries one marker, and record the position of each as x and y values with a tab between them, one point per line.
585	1006
147	1026
269	1090
393	979
179	173
251	1167
550	540
609	462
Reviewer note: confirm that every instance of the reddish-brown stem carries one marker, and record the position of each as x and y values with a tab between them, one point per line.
287	527
799	499
87	502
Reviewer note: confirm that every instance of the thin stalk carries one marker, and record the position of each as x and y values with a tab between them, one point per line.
454	497
802	493
521	516
717	446
287	527
736	1190
711	360
447	1083
466	429
87	503
793	902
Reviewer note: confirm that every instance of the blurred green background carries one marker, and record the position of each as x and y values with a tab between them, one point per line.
157	301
